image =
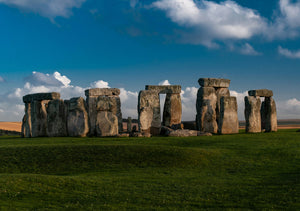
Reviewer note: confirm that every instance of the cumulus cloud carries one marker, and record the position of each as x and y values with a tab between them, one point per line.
100	84
288	53
164	83
289	109
46	8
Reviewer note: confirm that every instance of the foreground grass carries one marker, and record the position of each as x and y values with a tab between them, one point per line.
245	171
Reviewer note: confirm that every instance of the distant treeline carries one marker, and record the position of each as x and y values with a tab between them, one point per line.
9	133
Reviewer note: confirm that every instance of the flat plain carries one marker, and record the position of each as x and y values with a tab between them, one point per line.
243	171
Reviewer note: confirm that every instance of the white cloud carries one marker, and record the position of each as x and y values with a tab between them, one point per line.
247	49
213	21
288	53
289	109
2	79
164	83
100	84
46	8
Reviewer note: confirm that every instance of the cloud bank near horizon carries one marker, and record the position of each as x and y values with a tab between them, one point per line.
12	107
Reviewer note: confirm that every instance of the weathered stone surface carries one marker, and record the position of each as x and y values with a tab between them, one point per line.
172	110
26	122
165	131
221	92
252	114
203	134
129	125
111	104
214	82
183	133
149	112
269	115
39	118
228	122
165	89
107	124
56	119
41	96
92	114
261	93
77	117
206	110
102	92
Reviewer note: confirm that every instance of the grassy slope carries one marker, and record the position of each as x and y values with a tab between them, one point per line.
252	171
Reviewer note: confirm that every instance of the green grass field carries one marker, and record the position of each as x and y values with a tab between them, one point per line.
245	171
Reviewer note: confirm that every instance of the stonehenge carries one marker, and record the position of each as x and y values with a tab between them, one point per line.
46	115
149	108
216	110
260	116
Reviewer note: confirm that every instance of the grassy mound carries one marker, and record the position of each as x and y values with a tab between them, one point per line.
244	171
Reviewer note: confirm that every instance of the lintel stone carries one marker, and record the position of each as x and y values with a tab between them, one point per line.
102	92
214	82
261	93
165	89
41	96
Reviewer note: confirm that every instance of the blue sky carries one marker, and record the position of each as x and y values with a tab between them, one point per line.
128	44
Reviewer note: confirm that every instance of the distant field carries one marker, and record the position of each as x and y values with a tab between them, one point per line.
244	171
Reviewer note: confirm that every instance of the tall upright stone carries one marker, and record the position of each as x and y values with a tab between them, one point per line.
26	122
269	115
228	121
129	125
220	92
39	118
56	119
172	110
77	117
92	101
149	112
252	114
206	110
107	116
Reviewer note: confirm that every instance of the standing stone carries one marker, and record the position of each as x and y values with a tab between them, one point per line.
206	110
107	124
269	115
172	110
77	117
92	100
56	119
39	118
26	122
149	112
228	122
252	114
221	92
108	109
129	125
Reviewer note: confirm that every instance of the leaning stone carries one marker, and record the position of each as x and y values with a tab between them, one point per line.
39	118
206	110
165	131
172	110
77	117
56	119
214	82
183	133
261	93
269	115
107	124
26	122
102	92
252	114
221	92
165	89
41	96
228	122
149	112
